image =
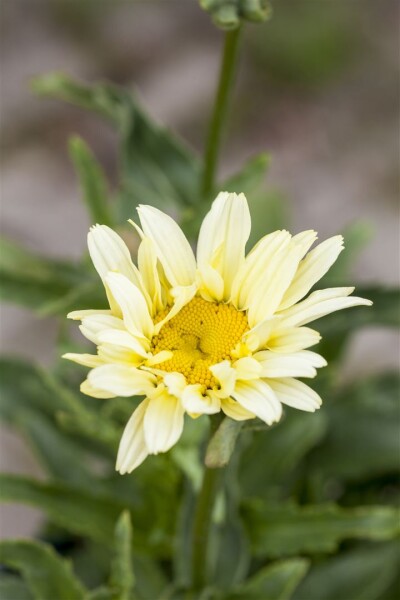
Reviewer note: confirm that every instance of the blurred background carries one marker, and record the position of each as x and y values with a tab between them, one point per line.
317	87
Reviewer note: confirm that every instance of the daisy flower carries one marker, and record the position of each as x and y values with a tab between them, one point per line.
221	331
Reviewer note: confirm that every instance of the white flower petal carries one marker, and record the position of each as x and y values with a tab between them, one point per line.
296	394
195	402
182	295
124	339
226	377
311	269
258	398
175	383
235	411
93	325
227	225
87	360
258	336
297	364
255	267
133	305
109	252
110	353
159	358
78	315
266	297
210	283
147	261
292	339
90	390
173	249
132	448
163	422
319	304
122	380
247	368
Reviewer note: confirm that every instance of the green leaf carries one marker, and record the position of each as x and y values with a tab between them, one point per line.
92	180
290	530
122	577
222	443
13	588
275	582
78	511
250	177
285	445
155	165
268	213
356	237
360	574
46	574
363	424
34	282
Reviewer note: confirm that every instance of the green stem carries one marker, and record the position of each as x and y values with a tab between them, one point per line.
203	516
219	111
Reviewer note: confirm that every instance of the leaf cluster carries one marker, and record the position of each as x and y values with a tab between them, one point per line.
307	509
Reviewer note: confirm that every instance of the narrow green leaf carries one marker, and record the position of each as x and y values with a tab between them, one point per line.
34	281
275	582
250	177
92	181
46	574
290	530
222	443
360	574
285	445
268	211
363	424
78	511
122	578
13	588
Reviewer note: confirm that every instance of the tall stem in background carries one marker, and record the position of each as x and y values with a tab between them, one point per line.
220	109
203	516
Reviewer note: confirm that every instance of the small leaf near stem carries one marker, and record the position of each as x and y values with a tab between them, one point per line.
219	111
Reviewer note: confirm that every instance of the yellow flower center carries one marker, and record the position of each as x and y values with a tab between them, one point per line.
200	335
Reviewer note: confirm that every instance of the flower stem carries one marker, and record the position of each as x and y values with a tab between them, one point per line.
202	518
219	112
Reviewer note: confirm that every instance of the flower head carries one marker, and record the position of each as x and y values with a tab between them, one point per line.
223	331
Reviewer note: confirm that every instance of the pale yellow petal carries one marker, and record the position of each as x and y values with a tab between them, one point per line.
235	411
110	353
292	339
210	283
173	249
311	269
78	315
182	295
87	360
194	402
90	390
124	339
258	398
109	252
163	422
133	305
132	448
265	298
227	225
297	364
122	380
175	383
226	377
319	304
296	394
256	266
147	261
93	325
247	368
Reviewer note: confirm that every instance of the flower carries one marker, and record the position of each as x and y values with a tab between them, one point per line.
224	331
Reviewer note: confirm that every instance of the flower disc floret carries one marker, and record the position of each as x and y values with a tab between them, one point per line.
202	334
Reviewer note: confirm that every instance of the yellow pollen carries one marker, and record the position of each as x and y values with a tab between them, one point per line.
200	335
